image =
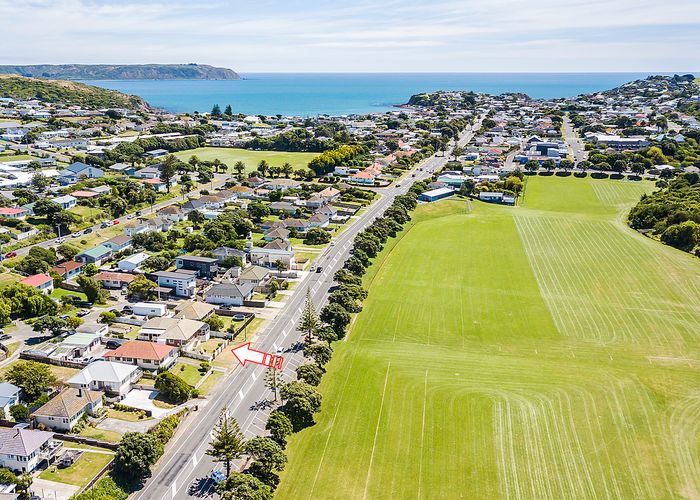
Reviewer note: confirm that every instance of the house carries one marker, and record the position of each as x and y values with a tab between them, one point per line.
68	269
152	172
84	195
318	220
67	408
211	201
99	329
193	205
172	213
41	281
222	252
78	171
145	355
330	194
276	233
244	192
254	275
254	181
282	206
315	201
13	213
151	309
95	255
107	376
198	311
118	243
156	153
24	449
132	262
122	168
436	194
9	396
178	332
183	282
282	184
110	279
104	189
363	177
159	185
79	345
146	226
205	267
65	202
271	254
230	294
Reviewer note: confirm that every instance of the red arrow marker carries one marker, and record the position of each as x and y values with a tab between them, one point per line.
245	354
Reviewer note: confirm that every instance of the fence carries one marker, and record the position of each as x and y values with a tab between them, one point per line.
51	361
74	438
129	321
102	472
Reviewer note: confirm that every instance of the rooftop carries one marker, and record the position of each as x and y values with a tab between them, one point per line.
36	280
139	349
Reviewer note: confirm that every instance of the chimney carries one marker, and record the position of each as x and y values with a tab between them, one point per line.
80	392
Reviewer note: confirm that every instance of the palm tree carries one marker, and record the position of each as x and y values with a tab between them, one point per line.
287	169
263	167
194	161
239	167
281	266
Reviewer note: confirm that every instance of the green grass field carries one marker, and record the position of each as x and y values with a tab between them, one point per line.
541	351
251	158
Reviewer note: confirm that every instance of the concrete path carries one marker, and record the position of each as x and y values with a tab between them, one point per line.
53	490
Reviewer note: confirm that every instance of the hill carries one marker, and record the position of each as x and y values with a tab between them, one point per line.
68	93
123	71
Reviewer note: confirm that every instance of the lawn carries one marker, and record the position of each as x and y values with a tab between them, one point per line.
81	472
128	416
542	351
8	278
62	292
189	373
251	158
101	434
210	382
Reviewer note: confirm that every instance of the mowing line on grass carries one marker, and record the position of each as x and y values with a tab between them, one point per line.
376	431
422	434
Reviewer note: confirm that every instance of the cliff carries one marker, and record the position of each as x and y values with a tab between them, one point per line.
122	72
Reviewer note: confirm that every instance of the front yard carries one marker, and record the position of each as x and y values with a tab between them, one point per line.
187	372
81	472
101	434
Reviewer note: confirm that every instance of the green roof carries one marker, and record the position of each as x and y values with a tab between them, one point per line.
96	252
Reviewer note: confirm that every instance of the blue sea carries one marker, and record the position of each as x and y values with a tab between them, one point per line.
309	94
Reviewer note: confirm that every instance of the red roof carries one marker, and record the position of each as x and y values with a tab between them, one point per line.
12	211
36	280
153	181
66	267
139	349
84	194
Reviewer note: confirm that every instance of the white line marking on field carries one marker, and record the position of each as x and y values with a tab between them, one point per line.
376	431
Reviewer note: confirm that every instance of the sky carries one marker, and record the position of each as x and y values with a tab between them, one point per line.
359	35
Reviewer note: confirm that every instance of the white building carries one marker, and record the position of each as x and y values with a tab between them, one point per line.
24	449
149	309
107	376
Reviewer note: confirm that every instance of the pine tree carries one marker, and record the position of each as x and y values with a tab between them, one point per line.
228	443
309	322
216	110
272	380
228	110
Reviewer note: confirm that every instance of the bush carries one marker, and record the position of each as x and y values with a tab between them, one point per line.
19	412
173	387
204	366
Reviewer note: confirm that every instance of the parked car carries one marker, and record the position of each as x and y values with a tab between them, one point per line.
4	336
115	222
10	254
319	269
87	231
105	224
60	239
112	344
217	476
82	313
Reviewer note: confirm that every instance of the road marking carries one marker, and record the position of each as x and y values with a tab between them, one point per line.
173	489
240	393
253	376
194	460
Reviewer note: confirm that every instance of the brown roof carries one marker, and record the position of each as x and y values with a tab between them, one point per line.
194	310
119	240
140	349
69	402
112	276
66	267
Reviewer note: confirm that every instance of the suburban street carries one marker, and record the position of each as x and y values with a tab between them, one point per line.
573	143
184	469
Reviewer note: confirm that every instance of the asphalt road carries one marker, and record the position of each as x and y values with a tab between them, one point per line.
183	471
573	143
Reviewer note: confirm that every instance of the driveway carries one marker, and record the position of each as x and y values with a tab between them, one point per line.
143	400
53	490
123	426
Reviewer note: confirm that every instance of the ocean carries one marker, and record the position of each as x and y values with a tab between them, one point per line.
309	94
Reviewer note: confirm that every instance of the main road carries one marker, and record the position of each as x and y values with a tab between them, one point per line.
182	471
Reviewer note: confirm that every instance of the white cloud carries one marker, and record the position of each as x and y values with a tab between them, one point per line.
315	35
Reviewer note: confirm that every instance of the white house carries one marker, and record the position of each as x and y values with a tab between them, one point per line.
24	449
230	294
149	309
183	282
65	202
112	378
9	396
65	410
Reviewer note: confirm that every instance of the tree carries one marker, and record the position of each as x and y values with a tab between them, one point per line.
32	377
141	287
136	454
549	165
51	324
239	167
91	288
173	387
196	217
215	322
310	373
228	443
684	236
40	181
346	300
24	483
74	322
272	380
67	251
320	353
279	426
287	169
239	486
19	412
309	322
107	317
337	317
258	211
268	458
90	270
228	111
167	170
317	236
302	401
532	165
216	110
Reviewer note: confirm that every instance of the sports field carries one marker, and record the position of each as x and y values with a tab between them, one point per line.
541	351
251	158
